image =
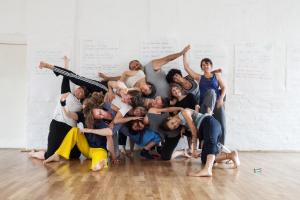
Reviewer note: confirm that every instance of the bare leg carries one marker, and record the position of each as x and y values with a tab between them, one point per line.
207	170
229	156
39	154
53	158
180	153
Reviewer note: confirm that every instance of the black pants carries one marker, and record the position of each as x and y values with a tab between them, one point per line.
168	147
210	132
91	85
57	133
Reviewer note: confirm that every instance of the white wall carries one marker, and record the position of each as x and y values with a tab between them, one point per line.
264	121
14	76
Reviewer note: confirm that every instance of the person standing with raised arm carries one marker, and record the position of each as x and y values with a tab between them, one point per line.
212	90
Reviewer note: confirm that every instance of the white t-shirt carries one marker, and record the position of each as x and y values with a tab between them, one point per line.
72	104
123	107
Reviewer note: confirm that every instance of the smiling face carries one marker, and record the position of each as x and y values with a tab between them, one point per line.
158	102
100	114
79	93
177	78
206	65
176	92
173	123
135	65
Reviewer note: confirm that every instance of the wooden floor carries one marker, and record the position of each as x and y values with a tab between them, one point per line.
25	178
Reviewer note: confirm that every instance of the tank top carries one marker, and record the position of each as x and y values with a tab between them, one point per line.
132	80
196	117
208	83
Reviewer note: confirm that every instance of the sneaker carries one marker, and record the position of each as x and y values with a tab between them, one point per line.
145	154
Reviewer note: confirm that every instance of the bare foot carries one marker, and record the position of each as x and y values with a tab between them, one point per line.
201	173
37	154
53	158
45	65
235	158
66	62
177	154
100	165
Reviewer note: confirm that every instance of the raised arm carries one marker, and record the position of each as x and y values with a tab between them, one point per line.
187	116
119	119
169	109
188	69
108	78
223	90
158	63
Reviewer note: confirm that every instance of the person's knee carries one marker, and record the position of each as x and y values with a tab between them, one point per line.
211	93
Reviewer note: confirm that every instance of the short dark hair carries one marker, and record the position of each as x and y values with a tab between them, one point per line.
135	61
206	60
153	90
171	75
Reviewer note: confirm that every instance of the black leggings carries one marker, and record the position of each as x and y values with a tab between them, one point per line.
210	132
91	85
57	133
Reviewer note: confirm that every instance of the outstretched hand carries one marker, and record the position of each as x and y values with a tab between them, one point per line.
186	49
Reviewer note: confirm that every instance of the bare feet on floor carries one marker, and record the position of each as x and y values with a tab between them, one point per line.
100	165
37	154
235	158
53	158
201	173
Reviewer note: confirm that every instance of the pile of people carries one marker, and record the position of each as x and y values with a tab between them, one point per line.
151	108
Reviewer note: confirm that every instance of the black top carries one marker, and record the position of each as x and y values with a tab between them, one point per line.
188	102
95	141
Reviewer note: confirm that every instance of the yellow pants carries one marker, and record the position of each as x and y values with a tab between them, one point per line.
73	137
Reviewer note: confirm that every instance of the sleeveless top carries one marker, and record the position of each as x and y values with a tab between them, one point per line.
194	89
132	80
208	83
196	117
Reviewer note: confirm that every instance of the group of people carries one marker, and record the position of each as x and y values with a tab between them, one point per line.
152	108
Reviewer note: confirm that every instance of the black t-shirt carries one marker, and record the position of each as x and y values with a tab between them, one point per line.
188	102
95	141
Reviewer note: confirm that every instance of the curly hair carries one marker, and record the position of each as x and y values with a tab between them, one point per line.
171	75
